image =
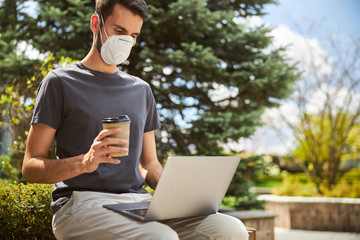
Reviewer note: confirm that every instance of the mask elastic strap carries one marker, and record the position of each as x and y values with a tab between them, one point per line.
102	20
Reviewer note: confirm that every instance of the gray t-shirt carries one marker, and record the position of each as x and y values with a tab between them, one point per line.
74	100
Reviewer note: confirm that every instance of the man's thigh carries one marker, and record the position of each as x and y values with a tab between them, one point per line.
84	217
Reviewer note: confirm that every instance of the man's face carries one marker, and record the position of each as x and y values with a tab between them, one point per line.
121	22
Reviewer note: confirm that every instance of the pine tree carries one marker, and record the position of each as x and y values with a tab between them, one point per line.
188	51
15	66
63	27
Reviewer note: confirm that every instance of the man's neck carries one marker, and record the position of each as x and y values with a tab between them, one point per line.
94	61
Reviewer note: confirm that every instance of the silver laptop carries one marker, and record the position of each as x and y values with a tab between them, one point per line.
188	186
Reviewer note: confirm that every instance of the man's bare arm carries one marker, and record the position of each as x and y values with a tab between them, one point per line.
38	168
149	161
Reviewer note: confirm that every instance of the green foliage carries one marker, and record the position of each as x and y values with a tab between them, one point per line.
16	111
62	27
238	194
8	171
344	189
328	147
14	65
25	211
295	185
301	185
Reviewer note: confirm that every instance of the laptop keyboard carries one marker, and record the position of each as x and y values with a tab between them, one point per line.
139	212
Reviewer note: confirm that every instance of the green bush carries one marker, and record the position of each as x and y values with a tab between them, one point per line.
25	211
295	185
238	195
301	185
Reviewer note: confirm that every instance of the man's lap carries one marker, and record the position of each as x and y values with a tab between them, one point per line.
83	217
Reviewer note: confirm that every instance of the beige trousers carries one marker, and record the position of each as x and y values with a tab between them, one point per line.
84	217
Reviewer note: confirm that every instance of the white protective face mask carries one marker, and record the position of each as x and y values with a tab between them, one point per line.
116	49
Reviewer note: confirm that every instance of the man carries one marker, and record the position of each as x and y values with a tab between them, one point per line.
69	107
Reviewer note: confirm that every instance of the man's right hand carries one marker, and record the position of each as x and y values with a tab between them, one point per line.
102	146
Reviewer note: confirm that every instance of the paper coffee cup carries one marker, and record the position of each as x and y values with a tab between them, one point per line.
123	122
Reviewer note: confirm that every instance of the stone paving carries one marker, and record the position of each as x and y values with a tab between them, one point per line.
286	234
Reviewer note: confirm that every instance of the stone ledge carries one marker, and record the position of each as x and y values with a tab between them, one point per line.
314	213
252	214
308	199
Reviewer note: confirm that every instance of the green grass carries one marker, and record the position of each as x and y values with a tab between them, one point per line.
269	183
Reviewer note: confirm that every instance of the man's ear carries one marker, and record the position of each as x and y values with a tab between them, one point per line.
94	23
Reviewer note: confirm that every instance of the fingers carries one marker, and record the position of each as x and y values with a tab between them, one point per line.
105	137
106	159
113	141
96	155
107	132
108	149
103	146
92	162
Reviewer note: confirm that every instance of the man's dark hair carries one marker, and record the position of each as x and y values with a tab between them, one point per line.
106	7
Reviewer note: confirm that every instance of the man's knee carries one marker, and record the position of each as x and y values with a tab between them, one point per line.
235	233
237	230
230	227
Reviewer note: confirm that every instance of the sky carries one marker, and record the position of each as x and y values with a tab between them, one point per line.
341	16
305	26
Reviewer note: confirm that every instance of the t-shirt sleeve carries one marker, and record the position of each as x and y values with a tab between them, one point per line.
152	119
49	102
